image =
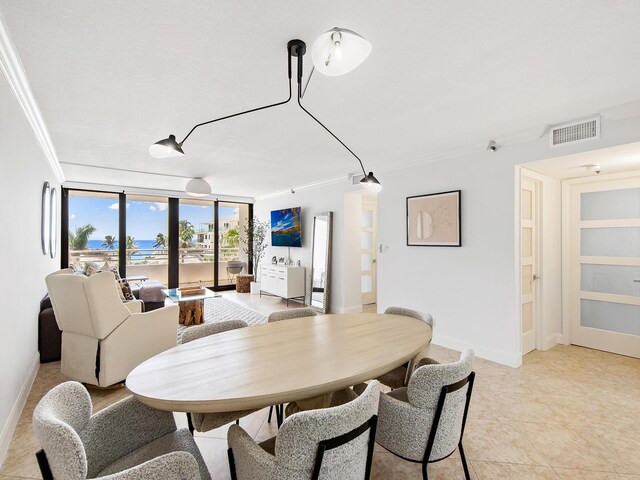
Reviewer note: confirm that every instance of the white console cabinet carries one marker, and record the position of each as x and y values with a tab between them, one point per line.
282	281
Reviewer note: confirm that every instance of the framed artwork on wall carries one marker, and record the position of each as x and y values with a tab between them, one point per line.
434	220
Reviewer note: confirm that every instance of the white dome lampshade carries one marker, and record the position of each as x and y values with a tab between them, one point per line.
198	187
338	51
165	148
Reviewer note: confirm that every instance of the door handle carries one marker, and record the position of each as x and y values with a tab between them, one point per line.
637	281
536	276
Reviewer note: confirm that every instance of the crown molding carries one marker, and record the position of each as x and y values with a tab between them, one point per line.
13	71
301	188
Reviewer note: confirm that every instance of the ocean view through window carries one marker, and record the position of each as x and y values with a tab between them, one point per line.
210	236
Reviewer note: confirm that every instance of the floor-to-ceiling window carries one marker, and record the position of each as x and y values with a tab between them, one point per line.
197	239
147	248
132	232
232	218
93	228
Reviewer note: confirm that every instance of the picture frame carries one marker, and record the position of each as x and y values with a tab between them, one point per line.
45	218
434	219
53	224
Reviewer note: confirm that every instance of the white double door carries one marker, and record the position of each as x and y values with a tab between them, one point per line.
605	265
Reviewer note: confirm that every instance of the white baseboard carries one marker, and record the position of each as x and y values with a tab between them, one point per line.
505	358
353	309
552	340
16	411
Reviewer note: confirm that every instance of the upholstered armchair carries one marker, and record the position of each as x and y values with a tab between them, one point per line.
103	339
126	441
424	422
203	422
334	442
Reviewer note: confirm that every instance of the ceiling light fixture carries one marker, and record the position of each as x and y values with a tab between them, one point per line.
198	187
338	51
341	51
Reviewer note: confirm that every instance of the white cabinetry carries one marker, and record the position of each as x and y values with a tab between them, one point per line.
281	281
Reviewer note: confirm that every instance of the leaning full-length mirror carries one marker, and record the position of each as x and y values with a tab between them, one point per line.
321	261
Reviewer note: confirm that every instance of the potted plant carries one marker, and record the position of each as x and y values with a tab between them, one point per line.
254	246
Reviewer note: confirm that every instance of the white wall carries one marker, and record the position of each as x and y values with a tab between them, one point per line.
24	170
472	291
469	290
330	198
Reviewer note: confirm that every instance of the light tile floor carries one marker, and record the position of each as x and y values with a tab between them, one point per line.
568	413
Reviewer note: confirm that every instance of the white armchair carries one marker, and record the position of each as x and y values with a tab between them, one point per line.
104	339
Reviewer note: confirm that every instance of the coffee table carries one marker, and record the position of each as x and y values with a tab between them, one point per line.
279	362
191	306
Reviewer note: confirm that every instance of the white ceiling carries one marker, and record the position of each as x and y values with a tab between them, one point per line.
113	77
622	158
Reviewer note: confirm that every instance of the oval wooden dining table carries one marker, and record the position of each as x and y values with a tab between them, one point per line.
279	362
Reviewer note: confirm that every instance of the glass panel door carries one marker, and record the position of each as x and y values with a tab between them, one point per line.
606	266
368	251
197	237
232	260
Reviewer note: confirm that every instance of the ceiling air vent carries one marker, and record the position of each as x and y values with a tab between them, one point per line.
355	179
575	132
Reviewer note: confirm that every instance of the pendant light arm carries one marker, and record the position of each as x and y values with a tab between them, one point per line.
246	111
322	125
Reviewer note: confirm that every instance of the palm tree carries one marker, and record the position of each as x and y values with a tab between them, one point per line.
186	232
232	236
109	242
132	247
79	239
161	241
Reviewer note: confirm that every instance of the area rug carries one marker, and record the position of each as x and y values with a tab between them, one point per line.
220	309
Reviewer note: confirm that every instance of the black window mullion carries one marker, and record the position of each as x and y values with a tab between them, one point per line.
64	228
174	242
216	257
122	234
250	220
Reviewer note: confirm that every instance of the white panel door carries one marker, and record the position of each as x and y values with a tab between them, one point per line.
528	263
368	251
605	266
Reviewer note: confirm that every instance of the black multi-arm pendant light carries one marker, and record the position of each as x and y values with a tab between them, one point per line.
335	52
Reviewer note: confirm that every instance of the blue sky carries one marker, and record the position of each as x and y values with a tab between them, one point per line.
144	219
281	219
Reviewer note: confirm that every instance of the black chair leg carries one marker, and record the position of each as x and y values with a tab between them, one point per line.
280	414
232	465
424	471
43	463
190	422
237	421
270	412
464	462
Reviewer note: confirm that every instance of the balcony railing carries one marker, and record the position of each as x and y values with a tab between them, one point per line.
141	256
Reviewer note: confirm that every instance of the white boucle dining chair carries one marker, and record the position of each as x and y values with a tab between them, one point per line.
203	422
424	421
335	442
